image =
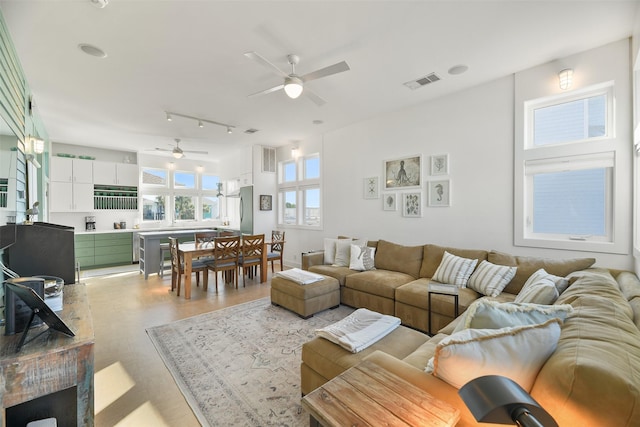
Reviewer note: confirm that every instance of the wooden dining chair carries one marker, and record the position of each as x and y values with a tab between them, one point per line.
205	238
226	252
177	267
277	248
251	257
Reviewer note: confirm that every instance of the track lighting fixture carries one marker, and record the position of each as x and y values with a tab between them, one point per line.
200	121
229	130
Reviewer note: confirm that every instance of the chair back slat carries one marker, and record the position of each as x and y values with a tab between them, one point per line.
252	247
277	241
205	238
226	249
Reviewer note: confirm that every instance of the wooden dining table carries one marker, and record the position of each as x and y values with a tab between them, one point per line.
190	250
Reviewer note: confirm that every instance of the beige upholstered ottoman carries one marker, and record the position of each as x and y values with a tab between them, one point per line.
305	300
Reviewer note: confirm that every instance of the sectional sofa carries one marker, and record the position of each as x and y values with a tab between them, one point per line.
592	378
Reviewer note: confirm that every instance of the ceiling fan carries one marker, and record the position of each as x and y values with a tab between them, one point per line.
293	84
178	152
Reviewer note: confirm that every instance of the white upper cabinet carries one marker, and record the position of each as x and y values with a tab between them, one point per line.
109	173
64	169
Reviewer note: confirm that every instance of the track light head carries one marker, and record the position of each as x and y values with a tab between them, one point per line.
169	118
200	124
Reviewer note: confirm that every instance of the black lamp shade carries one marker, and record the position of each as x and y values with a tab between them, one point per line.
500	400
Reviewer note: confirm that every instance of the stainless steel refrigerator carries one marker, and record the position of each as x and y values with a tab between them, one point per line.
246	210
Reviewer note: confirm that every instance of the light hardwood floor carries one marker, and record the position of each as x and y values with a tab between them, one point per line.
133	386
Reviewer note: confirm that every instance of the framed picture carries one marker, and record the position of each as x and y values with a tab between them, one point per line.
412	205
440	193
440	164
389	202
403	173
371	188
265	202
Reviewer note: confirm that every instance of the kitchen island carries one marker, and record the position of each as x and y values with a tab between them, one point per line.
150	256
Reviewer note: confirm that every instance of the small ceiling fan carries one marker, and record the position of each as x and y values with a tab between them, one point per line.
293	84
178	152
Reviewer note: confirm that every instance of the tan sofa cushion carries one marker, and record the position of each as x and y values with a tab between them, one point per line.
592	379
393	257
433	256
330	360
378	282
629	285
529	265
339	273
416	293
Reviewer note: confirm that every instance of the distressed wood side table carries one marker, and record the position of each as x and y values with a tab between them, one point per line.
369	395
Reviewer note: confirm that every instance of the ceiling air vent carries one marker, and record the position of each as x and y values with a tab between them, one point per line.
422	81
251	131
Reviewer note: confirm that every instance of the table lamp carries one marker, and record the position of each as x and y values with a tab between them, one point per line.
500	400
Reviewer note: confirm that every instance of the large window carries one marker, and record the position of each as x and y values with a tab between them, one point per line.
176	196
566	168
299	195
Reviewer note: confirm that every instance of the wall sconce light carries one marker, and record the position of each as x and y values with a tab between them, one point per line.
565	78
35	145
295	151
172	165
38	145
500	400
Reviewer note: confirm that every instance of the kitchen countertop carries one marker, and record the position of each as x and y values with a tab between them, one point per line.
151	230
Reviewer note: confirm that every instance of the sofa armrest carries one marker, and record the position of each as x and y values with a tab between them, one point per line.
312	258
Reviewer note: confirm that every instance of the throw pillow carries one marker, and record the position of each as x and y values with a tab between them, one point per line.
343	251
362	258
490	279
561	283
329	250
488	314
454	270
515	352
540	291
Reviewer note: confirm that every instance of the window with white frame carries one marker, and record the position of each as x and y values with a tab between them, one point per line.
299	194
186	195
566	171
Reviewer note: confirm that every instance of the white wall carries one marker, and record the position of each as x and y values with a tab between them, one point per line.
476	128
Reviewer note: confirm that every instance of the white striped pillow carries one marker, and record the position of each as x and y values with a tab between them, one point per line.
454	270
490	279
561	283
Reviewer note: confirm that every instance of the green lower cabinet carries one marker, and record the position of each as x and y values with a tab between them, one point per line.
103	250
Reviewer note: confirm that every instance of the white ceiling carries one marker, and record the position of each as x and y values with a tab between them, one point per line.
187	56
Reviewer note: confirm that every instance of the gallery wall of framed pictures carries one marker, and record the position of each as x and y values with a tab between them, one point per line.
402	185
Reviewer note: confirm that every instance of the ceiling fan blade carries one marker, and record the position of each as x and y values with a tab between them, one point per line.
265	62
326	71
163	149
315	98
195	152
266	91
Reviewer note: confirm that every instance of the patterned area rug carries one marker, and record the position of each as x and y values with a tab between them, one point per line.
241	365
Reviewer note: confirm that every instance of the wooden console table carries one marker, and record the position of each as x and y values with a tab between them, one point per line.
53	374
369	395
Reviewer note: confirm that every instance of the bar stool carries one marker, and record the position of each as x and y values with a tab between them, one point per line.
164	249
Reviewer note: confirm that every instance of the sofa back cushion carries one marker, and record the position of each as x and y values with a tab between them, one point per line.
593	377
403	259
529	265
433	257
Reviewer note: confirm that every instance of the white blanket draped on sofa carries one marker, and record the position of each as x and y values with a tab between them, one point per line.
359	330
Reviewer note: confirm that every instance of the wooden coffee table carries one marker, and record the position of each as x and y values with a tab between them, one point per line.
369	395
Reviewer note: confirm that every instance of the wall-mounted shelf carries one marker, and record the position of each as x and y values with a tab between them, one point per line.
115	197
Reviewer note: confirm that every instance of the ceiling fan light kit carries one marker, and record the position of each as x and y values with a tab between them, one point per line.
178	152
293	87
293	84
